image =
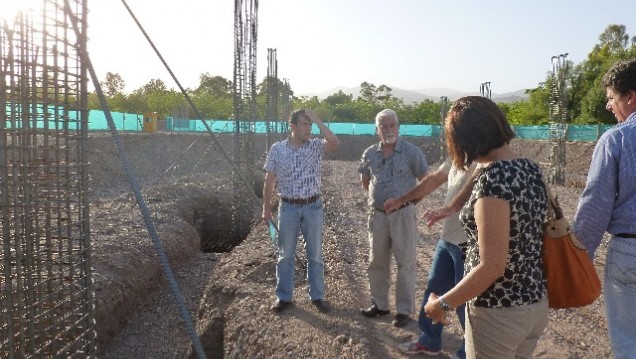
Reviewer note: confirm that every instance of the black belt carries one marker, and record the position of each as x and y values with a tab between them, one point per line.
402	206
626	235
309	200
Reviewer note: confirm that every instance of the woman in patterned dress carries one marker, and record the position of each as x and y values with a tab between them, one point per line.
504	285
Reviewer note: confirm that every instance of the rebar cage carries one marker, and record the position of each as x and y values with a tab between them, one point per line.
46	297
245	113
558	116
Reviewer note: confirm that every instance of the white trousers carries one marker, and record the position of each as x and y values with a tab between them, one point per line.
394	233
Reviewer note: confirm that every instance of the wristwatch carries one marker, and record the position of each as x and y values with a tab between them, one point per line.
444	305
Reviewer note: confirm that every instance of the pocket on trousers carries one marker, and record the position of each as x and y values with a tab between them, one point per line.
621	269
621	261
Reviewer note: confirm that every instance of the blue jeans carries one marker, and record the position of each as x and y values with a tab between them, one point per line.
294	219
447	270
620	296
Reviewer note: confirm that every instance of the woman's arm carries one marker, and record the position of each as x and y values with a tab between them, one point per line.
492	216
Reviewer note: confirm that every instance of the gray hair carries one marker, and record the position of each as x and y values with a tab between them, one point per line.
386	113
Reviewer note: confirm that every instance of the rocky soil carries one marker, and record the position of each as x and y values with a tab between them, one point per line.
187	184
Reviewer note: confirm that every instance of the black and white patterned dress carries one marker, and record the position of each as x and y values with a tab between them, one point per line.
520	183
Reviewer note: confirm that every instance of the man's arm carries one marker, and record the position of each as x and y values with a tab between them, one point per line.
427	185
332	140
268	191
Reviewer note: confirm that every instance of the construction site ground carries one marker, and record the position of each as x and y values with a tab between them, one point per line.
187	183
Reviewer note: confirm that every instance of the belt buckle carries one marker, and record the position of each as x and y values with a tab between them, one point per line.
302	201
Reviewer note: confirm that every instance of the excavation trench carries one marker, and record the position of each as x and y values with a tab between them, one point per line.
219	226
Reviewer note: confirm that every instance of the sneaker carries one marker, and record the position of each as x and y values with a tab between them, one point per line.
321	305
416	348
279	306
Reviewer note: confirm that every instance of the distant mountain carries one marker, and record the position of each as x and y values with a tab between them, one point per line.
419	95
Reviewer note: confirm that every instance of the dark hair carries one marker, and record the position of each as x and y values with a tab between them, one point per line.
621	77
295	116
474	126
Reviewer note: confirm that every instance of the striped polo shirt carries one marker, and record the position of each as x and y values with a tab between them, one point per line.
297	169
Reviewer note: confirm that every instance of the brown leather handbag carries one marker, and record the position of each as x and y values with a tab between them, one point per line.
571	276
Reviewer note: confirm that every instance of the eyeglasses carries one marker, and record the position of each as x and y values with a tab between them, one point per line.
391	125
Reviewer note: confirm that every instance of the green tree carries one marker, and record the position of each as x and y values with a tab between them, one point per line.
213	97
118	102
537	111
373	99
338	98
423	112
153	86
346	112
614	37
214	85
136	103
214	94
517	112
613	46
155	96
93	102
113	84
380	96
314	103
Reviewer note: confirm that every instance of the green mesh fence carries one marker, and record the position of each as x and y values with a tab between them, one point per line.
134	122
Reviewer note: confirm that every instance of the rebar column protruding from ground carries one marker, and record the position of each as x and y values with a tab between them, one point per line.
484	89
443	102
286	107
272	98
46	292
245	40
558	118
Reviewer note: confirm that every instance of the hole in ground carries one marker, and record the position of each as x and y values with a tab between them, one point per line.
211	339
214	222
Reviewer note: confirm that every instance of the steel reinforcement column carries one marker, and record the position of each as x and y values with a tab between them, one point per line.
558	119
46	293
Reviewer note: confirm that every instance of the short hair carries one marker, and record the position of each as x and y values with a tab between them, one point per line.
386	113
621	77
474	126
295	116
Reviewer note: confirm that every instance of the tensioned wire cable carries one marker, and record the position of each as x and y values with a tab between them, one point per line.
200	116
134	183
196	110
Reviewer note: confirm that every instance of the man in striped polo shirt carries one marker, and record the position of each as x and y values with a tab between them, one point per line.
293	165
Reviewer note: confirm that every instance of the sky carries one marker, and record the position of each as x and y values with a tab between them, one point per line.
325	44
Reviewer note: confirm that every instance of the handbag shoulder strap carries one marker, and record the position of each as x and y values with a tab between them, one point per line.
550	202
554	209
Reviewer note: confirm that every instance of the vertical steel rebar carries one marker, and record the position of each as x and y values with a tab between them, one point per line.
558	119
443	101
245	113
46	293
484	89
272	98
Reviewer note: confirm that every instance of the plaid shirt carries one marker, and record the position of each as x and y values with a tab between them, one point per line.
297	169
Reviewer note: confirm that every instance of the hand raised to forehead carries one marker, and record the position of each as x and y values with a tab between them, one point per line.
311	115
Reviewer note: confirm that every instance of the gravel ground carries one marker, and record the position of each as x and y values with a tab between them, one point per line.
228	294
